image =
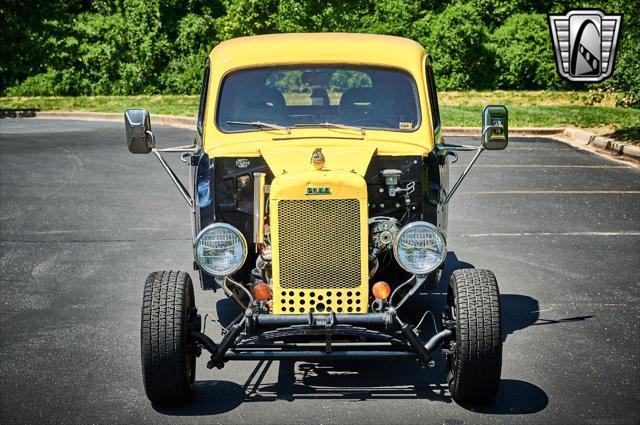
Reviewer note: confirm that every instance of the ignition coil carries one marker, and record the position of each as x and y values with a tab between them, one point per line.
391	178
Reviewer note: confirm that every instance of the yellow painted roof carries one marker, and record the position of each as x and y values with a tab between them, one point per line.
317	48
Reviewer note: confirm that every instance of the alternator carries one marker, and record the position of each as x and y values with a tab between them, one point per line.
383	232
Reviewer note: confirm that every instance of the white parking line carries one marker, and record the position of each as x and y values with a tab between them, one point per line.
540	166
552	306
555	192
477	235
511	148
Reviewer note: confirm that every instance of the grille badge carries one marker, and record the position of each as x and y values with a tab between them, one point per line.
318	190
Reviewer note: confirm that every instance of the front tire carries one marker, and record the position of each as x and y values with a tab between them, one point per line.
168	353
475	362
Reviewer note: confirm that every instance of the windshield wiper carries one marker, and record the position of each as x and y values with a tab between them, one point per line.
332	125
260	124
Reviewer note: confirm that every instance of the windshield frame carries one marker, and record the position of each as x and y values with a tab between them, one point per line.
412	81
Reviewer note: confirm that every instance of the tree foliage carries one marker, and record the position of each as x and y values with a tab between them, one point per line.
456	38
522	53
90	47
626	78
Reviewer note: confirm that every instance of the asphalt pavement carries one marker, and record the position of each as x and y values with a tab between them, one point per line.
82	223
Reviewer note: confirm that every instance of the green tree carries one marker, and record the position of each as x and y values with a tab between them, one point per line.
392	17
196	36
29	30
496	12
247	17
456	39
321	16
523	54
71	47
626	74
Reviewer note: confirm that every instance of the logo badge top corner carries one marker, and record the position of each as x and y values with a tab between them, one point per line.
585	43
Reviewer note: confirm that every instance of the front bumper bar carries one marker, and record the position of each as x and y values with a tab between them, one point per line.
313	355
407	346
266	321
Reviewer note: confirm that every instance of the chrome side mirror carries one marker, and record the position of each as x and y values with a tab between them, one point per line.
137	126
140	139
495	128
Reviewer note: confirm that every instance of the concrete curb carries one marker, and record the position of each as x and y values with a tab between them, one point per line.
169	120
518	131
605	143
578	136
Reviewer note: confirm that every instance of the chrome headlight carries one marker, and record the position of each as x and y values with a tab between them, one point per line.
220	249
420	247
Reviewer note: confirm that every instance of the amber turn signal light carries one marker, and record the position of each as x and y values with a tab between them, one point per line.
262	292
381	290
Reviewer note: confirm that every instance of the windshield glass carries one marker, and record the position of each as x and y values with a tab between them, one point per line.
361	97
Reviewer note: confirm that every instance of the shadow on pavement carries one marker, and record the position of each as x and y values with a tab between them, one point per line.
354	381
344	380
514	398
518	311
359	381
209	398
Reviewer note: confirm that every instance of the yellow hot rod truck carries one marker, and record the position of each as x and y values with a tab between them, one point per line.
318	191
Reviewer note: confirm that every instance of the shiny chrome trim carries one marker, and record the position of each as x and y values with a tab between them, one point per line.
226	226
447	147
183	190
477	149
410	226
187	149
419	281
258	207
464	174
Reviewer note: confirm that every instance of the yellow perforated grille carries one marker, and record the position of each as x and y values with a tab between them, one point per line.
319	244
318	256
320	301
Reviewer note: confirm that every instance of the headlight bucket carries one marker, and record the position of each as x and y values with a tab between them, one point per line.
220	249
420	248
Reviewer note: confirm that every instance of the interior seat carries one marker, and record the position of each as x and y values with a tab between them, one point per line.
266	104
356	104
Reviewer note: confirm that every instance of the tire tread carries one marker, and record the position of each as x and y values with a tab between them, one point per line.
476	376
167	296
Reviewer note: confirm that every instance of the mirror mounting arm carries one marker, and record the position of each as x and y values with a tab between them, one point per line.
194	150
174	178
478	150
141	140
